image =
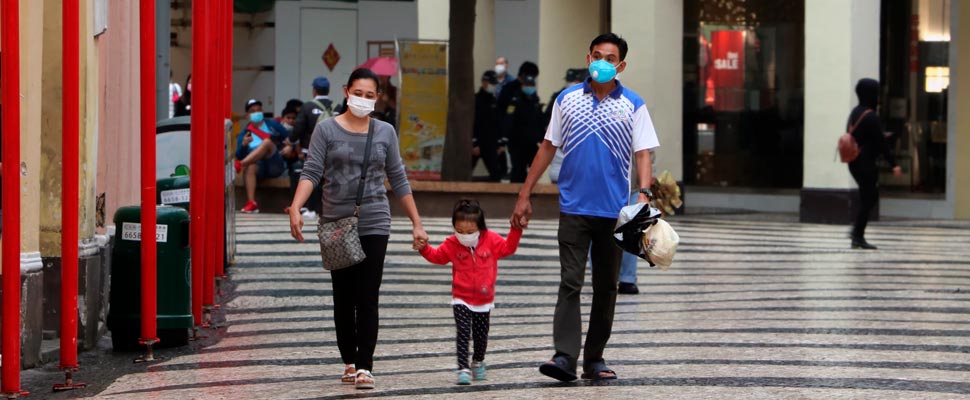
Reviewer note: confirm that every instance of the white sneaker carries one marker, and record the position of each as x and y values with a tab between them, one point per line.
309	214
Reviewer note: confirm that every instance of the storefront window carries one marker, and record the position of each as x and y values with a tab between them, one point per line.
915	77
743	92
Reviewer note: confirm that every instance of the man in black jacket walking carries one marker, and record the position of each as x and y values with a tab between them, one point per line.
313	111
868	134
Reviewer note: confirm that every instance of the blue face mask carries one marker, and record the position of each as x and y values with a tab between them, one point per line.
602	71
529	90
256	117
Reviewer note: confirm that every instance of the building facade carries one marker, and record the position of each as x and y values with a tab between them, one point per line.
749	97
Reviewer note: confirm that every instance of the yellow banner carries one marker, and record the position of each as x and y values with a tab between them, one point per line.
424	107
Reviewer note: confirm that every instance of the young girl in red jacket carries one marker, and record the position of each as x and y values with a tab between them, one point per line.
474	252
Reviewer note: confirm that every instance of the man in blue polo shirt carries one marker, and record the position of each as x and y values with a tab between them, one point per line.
601	127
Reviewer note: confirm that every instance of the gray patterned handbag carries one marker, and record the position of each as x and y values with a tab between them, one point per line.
339	240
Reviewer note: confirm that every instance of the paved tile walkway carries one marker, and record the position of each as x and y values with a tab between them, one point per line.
753	308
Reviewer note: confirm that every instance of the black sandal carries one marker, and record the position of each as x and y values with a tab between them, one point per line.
595	370
558	368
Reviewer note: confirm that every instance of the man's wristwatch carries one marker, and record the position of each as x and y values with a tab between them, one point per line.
647	192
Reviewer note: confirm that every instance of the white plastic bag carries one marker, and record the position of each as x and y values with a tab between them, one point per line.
660	243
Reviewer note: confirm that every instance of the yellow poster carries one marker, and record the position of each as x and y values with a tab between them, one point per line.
424	107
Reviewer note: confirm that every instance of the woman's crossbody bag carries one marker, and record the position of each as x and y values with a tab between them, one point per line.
339	240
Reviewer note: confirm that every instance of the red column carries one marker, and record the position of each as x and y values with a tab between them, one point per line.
149	275
205	25
200	55
224	115
230	29
10	70
70	165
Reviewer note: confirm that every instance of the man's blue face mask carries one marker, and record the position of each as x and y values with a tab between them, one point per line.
256	117
602	71
529	90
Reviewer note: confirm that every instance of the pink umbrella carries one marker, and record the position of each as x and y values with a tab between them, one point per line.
386	66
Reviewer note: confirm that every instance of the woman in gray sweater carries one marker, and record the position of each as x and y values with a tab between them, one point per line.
335	160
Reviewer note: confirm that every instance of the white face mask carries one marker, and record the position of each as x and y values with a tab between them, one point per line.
500	69
468	240
360	106
288	126
490	89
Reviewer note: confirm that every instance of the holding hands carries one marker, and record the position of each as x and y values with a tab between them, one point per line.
420	238
522	213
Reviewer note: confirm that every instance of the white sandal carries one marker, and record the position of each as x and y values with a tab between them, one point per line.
350	375
365	380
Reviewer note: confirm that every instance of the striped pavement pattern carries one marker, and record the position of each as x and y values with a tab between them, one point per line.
754	307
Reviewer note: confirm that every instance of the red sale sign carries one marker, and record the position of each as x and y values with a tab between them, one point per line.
727	53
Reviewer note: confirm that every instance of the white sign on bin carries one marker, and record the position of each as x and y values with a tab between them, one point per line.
132	231
175	196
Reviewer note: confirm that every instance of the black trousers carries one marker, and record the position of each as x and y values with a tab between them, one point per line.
470	324
494	162
580	236
355	293
868	181
522	155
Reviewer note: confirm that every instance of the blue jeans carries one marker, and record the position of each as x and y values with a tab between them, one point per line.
628	265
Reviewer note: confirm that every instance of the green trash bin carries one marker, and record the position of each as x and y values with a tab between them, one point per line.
174	280
173	191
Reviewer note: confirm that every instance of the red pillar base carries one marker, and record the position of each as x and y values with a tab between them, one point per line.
69	383
149	354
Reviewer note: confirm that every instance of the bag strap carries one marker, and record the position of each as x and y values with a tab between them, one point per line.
363	171
859	120
323	109
259	132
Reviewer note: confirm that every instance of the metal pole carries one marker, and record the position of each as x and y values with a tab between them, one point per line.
163	66
149	275
197	159
10	70
70	164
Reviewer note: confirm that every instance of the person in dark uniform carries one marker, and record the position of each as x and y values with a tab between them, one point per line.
520	115
574	76
486	140
872	144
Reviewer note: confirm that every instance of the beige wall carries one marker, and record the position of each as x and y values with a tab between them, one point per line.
31	18
31	54
50	134
484	38
89	121
433	19
653	29
959	169
119	145
52	124
565	29
841	47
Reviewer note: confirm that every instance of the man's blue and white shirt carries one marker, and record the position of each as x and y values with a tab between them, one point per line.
598	139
